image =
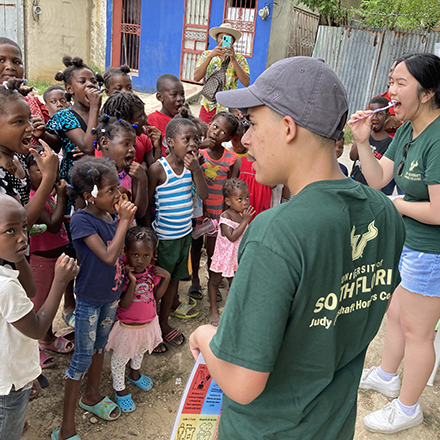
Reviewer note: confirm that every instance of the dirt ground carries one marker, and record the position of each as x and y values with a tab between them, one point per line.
156	409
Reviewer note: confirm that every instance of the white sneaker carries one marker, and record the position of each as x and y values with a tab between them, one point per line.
391	419
370	380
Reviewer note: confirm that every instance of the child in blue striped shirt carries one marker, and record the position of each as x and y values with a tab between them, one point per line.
170	181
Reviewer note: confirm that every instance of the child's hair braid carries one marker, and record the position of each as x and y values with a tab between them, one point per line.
122	105
112	71
173	127
108	126
88	172
12	90
231	185
141	233
232	120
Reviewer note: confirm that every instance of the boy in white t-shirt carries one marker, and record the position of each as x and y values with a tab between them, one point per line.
20	326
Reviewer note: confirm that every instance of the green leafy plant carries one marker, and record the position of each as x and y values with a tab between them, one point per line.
404	14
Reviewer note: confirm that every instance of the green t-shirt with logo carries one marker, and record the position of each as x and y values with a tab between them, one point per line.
422	168
312	285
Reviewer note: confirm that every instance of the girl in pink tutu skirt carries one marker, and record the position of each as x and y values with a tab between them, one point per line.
137	329
232	224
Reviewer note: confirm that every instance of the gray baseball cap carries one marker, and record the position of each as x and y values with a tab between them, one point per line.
305	88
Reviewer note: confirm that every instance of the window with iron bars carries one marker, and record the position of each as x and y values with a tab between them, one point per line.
242	14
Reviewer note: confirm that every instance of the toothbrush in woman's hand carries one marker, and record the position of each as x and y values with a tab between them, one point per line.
391	104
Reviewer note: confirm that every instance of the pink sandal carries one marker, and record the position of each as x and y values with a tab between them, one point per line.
46	361
59	345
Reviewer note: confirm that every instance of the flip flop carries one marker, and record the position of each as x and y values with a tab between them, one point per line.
144	382
183	310
56	435
171	336
59	345
102	409
125	403
46	361
195	292
162	351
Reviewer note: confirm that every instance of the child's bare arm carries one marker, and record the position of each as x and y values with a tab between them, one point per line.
26	278
84	141
354	155
235	169
156	176
55	221
234	234
127	296
110	253
140	187
48	165
192	163
35	325
160	290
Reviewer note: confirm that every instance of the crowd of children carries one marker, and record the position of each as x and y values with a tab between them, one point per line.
123	201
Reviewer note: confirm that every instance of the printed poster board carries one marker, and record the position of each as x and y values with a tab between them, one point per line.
200	407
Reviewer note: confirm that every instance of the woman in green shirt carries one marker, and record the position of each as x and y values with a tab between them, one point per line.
413	159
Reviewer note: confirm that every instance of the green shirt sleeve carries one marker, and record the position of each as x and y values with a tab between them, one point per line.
254	321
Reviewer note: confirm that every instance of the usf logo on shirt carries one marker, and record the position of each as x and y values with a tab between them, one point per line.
358	242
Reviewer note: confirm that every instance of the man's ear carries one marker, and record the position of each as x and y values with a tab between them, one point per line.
290	128
159	97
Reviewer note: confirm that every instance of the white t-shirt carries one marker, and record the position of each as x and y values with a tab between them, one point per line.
19	360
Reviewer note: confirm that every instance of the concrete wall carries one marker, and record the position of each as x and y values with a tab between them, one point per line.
282	16
161	40
64	27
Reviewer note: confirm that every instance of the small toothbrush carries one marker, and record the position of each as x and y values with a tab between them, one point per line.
391	104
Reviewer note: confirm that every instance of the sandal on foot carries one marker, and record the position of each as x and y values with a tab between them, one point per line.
69	319
46	361
171	337
59	345
195	292
160	349
184	312
144	382
125	403
56	435
102	409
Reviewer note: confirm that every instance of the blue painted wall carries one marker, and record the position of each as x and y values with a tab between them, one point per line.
161	40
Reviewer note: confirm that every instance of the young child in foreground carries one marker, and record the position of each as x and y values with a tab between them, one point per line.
137	329
170	182
232	224
20	326
98	237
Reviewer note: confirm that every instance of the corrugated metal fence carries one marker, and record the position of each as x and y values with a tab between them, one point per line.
362	57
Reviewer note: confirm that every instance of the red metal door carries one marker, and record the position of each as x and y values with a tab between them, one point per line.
195	36
126	33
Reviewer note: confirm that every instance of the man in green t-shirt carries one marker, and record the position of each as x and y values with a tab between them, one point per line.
314	276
